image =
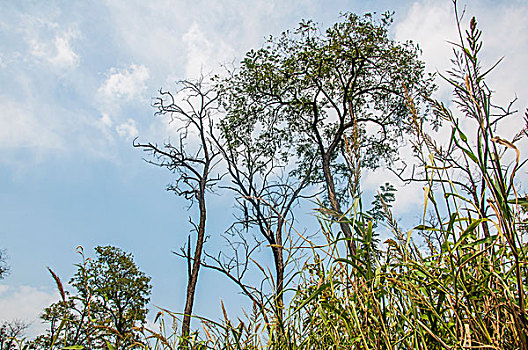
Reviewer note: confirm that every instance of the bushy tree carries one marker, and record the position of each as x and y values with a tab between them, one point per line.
10	334
287	112
4	268
110	299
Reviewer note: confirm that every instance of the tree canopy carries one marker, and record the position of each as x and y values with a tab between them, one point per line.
110	299
303	93
4	268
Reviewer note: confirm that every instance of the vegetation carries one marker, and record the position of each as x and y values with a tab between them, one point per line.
300	95
4	268
294	122
457	280
11	333
288	109
111	295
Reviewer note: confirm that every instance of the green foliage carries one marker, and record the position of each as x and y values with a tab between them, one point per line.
4	268
302	91
11	334
382	202
110	299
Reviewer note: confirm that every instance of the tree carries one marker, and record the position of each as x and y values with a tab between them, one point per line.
317	86
193	158
111	295
11	333
265	196
4	268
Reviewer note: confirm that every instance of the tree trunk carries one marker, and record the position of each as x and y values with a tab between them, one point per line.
193	276
336	207
279	283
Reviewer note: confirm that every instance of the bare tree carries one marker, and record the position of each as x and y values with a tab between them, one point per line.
193	159
266	191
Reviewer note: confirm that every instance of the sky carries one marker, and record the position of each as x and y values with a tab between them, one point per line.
77	80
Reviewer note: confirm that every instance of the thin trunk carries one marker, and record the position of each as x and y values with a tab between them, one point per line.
193	276
336	207
279	283
329	179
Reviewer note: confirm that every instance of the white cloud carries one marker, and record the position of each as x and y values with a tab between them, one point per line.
226	29
431	25
121	88
22	127
25	303
159	46
51	43
124	84
204	51
127	129
65	56
58	52
106	120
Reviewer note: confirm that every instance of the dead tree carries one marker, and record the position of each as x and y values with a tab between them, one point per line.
266	190
193	159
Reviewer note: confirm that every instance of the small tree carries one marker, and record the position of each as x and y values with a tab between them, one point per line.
111	295
4	268
266	193
10	334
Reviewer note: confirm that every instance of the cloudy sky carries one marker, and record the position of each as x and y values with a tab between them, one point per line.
77	82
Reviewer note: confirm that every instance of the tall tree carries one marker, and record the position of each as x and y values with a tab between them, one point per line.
317	86
193	158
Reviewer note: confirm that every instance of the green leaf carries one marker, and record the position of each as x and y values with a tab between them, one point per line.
377	275
480	241
318	291
425	228
463	136
63	322
468	231
354	264
110	346
521	201
470	154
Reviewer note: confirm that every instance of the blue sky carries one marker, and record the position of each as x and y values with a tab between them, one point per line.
77	81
